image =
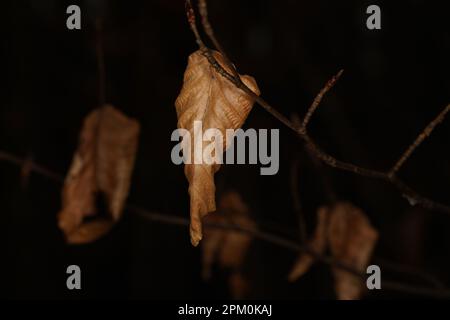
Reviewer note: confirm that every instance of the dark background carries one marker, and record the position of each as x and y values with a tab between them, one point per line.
396	80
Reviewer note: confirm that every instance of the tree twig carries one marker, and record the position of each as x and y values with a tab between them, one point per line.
318	166
203	9
316	102
413	197
21	162
440	292
420	138
437	292
402	269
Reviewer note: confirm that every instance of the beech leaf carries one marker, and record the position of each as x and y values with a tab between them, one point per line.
352	240
208	97
347	232
101	166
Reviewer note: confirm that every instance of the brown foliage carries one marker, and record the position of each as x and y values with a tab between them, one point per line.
217	103
350	238
101	166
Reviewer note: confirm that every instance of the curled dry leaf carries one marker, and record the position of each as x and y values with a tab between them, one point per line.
101	166
208	97
351	239
227	247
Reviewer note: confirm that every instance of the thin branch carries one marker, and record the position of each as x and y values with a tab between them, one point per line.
318	166
190	13
402	269
25	171
268	237
330	84
439	292
203	9
413	197
21	162
420	138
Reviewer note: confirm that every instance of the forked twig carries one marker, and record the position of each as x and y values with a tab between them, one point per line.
413	197
437	291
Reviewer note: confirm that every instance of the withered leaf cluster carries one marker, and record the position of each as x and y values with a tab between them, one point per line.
103	163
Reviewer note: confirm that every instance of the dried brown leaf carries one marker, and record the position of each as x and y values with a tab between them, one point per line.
102	165
208	97
351	239
346	230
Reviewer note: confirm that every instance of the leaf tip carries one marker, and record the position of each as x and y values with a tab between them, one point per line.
196	236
